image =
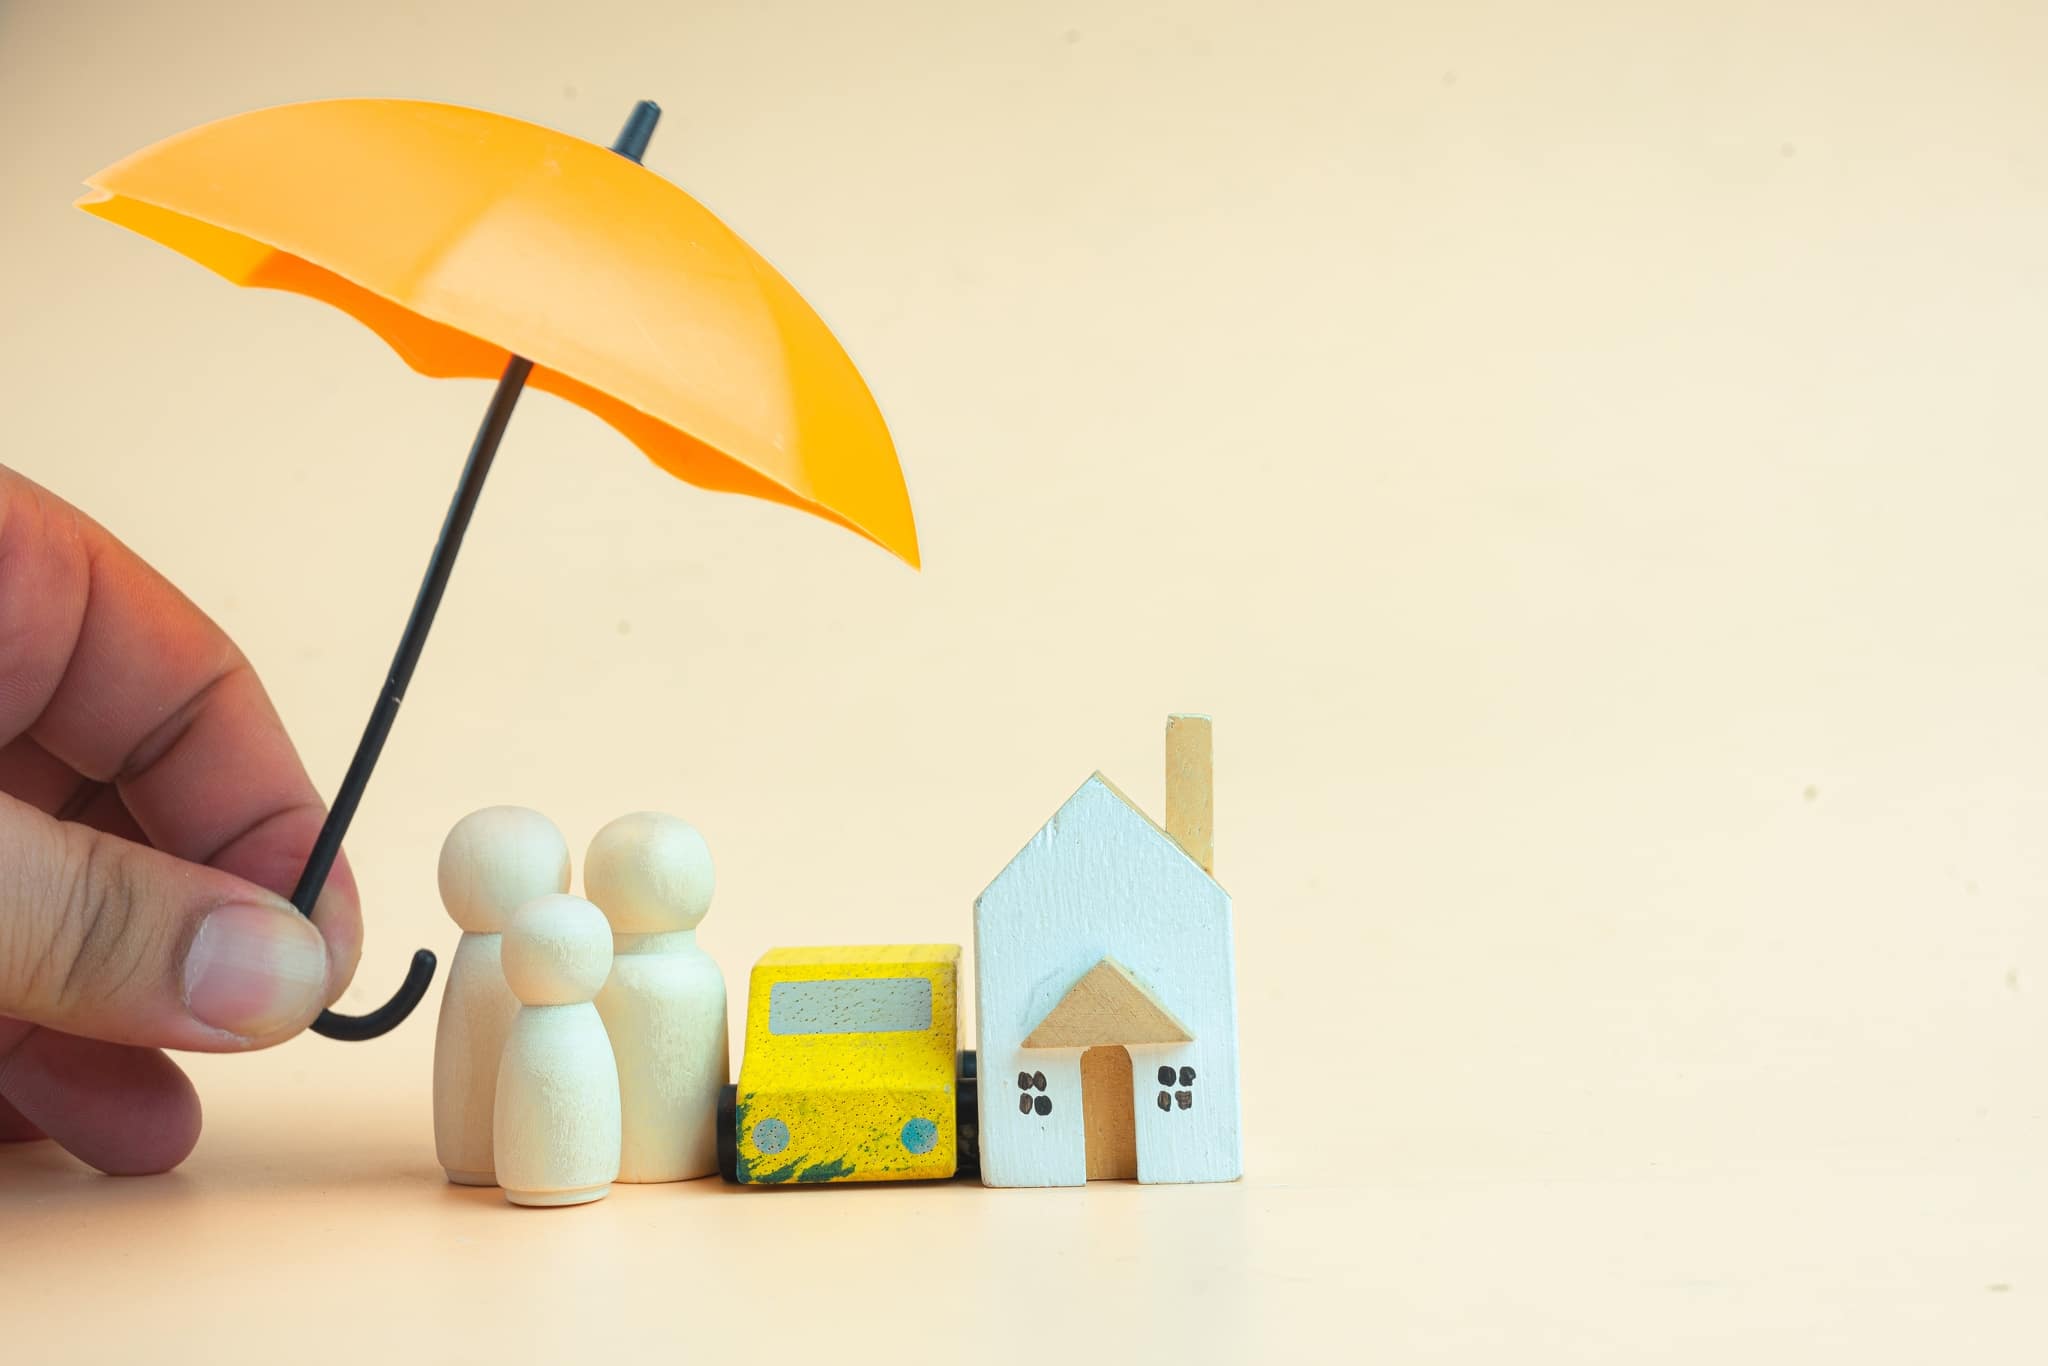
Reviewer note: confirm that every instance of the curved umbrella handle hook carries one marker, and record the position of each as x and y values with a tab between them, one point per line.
631	144
387	1017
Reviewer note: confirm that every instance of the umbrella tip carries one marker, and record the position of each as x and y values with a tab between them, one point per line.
639	130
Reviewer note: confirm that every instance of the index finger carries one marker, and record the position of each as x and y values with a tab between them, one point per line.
117	674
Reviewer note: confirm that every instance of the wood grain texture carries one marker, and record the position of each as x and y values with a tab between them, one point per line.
664	1002
556	1124
492	862
1100	880
1108	1111
477	1010
1107	1006
664	1009
1191	787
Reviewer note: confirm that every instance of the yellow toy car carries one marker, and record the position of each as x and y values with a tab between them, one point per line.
853	1070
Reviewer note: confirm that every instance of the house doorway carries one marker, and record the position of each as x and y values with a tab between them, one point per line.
1107	1114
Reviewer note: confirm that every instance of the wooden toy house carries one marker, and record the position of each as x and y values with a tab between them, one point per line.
1106	993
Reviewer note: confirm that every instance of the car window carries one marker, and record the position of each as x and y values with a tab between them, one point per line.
862	1005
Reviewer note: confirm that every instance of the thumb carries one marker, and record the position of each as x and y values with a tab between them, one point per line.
109	939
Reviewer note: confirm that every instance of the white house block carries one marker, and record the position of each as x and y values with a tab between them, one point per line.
1105	933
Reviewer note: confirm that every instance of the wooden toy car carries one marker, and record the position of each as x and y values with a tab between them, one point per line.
853	1070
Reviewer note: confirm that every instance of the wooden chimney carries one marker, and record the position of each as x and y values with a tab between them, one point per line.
1191	787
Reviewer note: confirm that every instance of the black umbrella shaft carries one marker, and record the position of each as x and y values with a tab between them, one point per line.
350	795
632	144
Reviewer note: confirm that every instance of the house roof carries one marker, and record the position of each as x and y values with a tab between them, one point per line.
1107	1006
1141	814
1097	782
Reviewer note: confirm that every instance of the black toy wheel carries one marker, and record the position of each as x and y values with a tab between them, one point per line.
967	1119
727	1124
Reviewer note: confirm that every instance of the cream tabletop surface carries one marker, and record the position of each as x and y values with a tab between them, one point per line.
1587	457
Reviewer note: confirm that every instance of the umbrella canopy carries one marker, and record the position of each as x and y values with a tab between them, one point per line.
463	238
479	245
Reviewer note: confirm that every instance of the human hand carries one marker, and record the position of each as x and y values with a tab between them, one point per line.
151	812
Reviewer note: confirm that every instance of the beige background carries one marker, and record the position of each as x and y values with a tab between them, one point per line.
1589	458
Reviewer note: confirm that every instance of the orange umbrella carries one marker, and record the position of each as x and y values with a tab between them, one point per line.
481	246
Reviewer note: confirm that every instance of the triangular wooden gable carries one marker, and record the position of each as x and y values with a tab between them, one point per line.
1107	1006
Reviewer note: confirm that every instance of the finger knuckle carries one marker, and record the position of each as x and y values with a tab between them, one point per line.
100	937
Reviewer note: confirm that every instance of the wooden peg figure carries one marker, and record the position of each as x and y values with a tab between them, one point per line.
493	862
664	1004
555	1128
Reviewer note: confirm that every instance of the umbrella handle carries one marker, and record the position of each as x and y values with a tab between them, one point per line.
631	144
387	1017
327	845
